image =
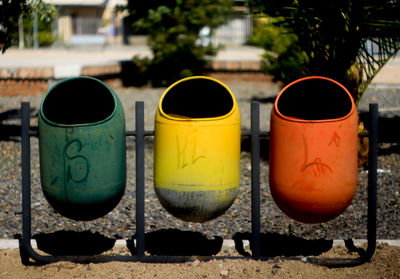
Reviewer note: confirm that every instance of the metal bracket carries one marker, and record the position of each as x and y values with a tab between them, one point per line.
28	253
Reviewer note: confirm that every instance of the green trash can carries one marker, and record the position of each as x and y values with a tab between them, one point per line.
82	148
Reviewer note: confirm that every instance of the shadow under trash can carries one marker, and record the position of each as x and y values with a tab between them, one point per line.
313	149
82	148
197	149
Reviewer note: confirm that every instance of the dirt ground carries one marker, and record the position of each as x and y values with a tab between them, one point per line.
384	264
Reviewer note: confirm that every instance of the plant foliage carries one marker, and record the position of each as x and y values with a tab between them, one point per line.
10	11
173	27
347	40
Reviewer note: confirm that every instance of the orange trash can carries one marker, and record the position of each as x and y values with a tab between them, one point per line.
313	149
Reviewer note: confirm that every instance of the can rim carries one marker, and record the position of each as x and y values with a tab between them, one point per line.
317	120
42	115
234	106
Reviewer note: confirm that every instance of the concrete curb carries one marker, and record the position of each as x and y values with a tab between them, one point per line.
227	243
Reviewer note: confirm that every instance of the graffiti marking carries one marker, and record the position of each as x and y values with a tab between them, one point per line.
78	162
182	151
335	138
316	166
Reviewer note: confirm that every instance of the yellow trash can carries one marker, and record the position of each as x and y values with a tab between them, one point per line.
197	149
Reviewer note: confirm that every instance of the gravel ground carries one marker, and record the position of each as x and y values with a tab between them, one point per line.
120	223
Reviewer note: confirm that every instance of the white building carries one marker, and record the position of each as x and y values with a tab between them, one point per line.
88	21
97	22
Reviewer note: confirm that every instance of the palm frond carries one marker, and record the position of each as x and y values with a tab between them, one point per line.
373	55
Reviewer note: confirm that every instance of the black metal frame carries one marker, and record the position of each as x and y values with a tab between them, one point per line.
27	251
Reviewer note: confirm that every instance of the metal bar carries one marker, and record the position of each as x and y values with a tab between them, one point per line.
34	133
255	179
26	175
133	133
130	133
27	251
372	200
262	134
372	180
140	242
35	30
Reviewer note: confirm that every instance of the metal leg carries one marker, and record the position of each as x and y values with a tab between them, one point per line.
26	190
26	180
372	202
255	179
28	252
372	180
140	243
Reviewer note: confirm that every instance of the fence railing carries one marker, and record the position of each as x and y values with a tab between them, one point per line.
27	251
234	33
86	25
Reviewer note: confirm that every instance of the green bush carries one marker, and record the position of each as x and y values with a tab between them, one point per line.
46	14
9	12
268	36
331	38
45	38
173	29
283	58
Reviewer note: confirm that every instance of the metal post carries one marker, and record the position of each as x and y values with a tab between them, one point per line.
21	43
35	30
365	255
26	173
27	251
140	243
255	178
372	180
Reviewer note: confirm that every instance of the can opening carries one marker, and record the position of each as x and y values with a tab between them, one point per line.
315	99
78	101
197	98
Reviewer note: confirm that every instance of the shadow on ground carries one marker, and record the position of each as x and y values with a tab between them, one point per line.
174	242
70	243
274	245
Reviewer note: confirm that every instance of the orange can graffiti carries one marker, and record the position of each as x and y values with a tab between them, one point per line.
313	149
